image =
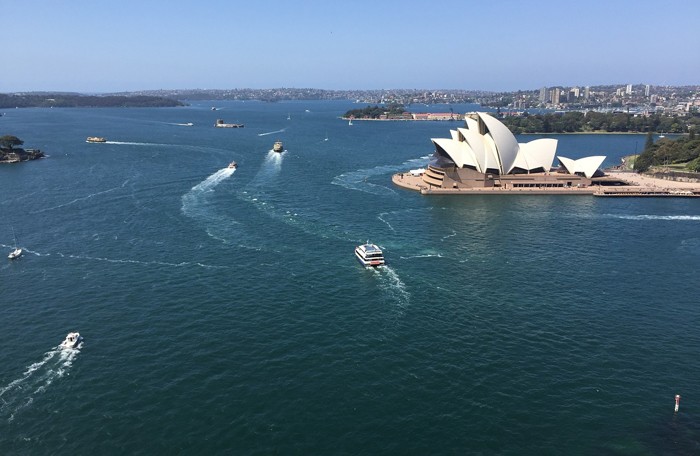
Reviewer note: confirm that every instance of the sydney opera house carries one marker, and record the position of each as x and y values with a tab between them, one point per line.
485	154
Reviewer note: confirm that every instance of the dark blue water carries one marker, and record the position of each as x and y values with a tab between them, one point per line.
224	312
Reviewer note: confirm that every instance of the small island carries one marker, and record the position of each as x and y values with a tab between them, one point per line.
74	100
10	153
395	111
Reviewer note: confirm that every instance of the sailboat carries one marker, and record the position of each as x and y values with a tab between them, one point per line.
350	121
17	252
289	116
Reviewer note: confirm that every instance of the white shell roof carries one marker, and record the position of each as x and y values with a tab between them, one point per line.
498	149
587	165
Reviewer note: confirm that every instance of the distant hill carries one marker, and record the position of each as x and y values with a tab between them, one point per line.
75	100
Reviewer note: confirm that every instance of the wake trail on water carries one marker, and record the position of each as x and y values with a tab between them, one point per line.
393	286
21	392
685	218
127	143
82	198
260	193
272	132
126	261
358	180
196	205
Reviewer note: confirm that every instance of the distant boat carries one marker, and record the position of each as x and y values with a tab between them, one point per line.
221	124
213	108
350	122
17	252
289	117
326	138
278	147
233	165
95	139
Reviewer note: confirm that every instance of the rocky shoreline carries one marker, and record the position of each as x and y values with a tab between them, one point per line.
20	155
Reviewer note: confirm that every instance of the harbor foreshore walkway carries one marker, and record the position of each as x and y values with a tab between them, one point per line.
637	185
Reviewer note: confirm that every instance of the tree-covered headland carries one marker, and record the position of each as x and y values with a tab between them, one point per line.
10	152
74	100
376	112
599	122
680	154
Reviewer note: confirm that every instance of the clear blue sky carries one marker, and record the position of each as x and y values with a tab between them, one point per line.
111	45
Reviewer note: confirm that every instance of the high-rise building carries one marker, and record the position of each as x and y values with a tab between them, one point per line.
628	90
647	88
587	92
543	95
554	95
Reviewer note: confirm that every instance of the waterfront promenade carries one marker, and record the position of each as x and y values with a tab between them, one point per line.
636	184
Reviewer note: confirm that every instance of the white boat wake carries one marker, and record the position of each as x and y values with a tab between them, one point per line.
272	132
358	180
21	392
692	218
394	288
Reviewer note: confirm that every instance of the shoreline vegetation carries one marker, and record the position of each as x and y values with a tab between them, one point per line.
74	100
572	122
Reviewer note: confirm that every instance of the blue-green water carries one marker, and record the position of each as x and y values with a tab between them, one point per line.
224	312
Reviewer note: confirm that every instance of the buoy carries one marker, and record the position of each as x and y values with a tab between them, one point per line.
678	401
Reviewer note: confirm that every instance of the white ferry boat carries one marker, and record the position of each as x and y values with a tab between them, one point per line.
369	255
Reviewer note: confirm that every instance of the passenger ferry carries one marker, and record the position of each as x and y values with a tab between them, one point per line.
95	139
369	255
278	147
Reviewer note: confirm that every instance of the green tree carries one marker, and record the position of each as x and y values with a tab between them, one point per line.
8	141
649	141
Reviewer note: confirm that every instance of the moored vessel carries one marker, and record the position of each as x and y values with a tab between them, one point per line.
369	255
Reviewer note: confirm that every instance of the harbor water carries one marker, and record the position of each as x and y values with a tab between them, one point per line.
224	311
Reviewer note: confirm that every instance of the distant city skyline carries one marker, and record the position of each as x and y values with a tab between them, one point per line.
96	46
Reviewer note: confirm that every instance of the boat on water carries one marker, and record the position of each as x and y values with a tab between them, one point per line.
72	340
233	165
221	124
278	147
350	122
95	139
369	255
17	252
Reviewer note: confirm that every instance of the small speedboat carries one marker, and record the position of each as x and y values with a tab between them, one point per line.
369	255
278	147
95	139
16	253
233	165
73	340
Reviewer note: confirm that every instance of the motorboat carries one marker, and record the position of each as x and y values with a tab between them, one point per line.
369	255
95	139
233	165
73	340
278	147
17	252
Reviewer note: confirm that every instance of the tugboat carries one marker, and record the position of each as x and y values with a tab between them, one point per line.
95	139
73	340
278	147
369	255
233	165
